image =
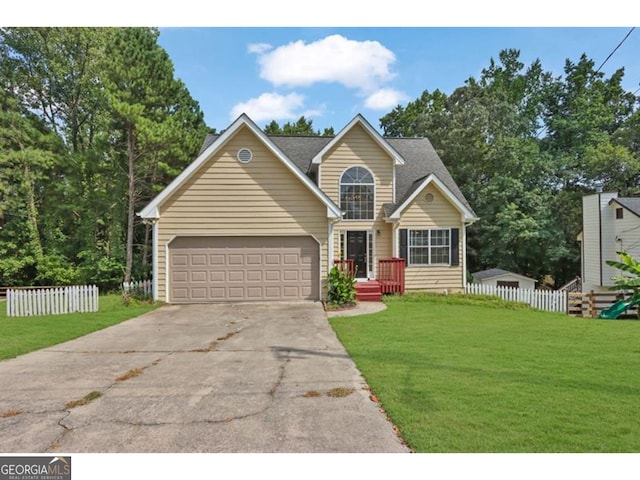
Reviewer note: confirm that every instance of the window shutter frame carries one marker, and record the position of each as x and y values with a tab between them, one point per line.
454	243
404	243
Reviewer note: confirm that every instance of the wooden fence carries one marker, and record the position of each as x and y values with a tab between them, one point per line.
549	300
29	301
590	304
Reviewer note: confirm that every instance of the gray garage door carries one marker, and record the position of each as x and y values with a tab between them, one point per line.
217	269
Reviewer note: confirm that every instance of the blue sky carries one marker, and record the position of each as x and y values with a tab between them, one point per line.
331	74
335	59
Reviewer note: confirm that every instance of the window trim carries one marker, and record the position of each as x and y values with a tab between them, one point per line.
373	184
428	247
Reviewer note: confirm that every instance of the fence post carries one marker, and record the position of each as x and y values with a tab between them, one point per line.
592	304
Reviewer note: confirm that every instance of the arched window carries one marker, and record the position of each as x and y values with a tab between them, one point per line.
357	189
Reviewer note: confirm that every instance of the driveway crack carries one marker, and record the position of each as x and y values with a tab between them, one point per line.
213	345
55	444
281	375
272	392
99	393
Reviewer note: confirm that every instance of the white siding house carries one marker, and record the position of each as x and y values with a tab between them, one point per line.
610	224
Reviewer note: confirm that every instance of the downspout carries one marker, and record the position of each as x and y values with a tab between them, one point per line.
166	271
330	246
154	255
395	253
154	261
464	254
330	249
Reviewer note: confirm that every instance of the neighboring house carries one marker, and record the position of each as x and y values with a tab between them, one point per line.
497	277
256	217
610	224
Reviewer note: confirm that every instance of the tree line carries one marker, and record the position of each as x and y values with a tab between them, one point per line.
94	123
525	145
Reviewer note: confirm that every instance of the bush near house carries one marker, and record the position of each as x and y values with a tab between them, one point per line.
342	287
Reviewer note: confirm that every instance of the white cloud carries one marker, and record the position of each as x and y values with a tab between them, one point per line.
385	99
312	113
259	48
360	65
270	106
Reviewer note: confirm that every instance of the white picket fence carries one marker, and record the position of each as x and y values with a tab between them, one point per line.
25	302
144	285
549	300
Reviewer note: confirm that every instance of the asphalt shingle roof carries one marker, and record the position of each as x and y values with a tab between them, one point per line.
630	203
419	156
494	272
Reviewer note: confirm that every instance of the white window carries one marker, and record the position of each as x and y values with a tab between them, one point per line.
357	190
429	247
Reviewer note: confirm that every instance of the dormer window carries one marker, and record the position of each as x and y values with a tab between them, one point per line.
357	190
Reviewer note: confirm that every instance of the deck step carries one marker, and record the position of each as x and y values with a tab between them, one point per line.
368	297
369	291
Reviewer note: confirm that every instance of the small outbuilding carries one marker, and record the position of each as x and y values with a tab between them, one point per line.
497	277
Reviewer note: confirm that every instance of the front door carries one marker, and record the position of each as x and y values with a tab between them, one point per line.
357	251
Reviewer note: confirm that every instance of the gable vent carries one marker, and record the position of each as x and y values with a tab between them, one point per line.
428	197
244	155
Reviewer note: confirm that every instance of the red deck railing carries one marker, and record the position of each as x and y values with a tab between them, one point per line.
347	265
391	275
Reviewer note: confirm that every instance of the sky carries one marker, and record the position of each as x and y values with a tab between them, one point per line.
331	74
329	61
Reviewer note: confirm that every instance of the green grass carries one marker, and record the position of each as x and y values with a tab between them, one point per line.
21	335
459	374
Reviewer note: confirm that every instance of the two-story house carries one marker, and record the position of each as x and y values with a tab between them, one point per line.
258	217
610	224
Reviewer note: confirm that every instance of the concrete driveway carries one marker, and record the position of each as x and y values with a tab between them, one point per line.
195	378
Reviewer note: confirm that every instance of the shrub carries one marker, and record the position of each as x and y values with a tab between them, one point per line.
54	269
342	287
136	296
101	270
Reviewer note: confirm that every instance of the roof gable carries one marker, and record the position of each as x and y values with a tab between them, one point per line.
151	211
420	160
379	139
395	212
630	203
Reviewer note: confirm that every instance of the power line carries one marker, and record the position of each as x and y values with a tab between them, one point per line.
614	50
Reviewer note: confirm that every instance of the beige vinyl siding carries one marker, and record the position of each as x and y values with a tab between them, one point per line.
357	148
227	198
439	213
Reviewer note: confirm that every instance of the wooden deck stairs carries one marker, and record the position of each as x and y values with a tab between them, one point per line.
369	291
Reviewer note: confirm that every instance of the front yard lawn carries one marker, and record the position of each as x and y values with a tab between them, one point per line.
19	335
465	374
